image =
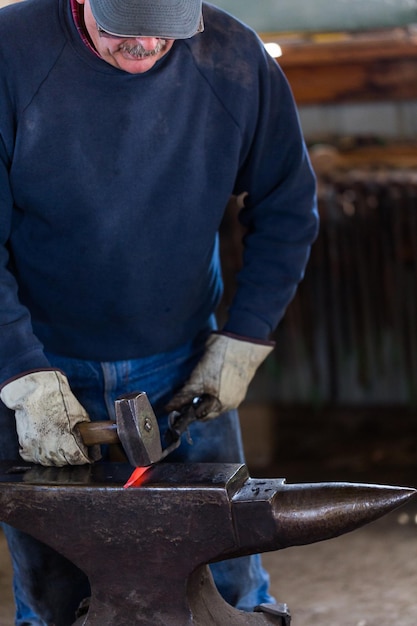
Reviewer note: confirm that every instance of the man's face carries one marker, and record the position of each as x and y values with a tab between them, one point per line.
131	54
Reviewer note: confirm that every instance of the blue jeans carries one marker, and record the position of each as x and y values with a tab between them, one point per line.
47	587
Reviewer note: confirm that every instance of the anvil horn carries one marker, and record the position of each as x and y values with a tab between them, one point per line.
299	514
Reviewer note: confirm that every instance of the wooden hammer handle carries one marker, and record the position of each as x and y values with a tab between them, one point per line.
93	433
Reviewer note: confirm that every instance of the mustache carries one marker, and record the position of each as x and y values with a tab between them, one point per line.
140	52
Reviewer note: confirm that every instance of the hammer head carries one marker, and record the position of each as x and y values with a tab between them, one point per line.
138	429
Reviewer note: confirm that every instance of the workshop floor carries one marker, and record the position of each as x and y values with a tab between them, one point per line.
365	578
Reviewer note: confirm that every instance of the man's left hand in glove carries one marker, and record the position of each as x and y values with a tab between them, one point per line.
224	372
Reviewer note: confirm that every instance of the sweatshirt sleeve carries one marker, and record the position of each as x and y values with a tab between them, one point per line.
20	350
280	212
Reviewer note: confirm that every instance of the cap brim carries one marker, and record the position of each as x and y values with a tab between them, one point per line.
168	19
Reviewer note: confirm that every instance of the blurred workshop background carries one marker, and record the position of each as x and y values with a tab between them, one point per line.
337	399
344	371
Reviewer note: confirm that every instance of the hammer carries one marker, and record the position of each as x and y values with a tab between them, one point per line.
136	428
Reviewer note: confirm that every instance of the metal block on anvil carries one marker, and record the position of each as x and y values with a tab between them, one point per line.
163	533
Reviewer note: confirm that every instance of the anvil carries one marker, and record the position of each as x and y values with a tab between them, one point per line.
163	534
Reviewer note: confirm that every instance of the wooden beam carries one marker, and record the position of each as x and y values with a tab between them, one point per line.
349	68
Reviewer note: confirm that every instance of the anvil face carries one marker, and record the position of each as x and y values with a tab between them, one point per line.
181	518
165	475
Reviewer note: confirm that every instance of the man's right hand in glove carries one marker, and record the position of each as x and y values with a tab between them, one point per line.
47	414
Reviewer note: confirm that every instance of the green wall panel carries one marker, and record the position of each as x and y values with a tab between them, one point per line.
321	15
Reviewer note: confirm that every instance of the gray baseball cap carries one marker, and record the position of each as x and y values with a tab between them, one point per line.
168	19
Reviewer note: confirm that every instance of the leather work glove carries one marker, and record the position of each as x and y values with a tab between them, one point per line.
47	413
224	372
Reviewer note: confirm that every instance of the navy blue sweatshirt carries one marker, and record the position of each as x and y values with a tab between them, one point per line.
113	187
